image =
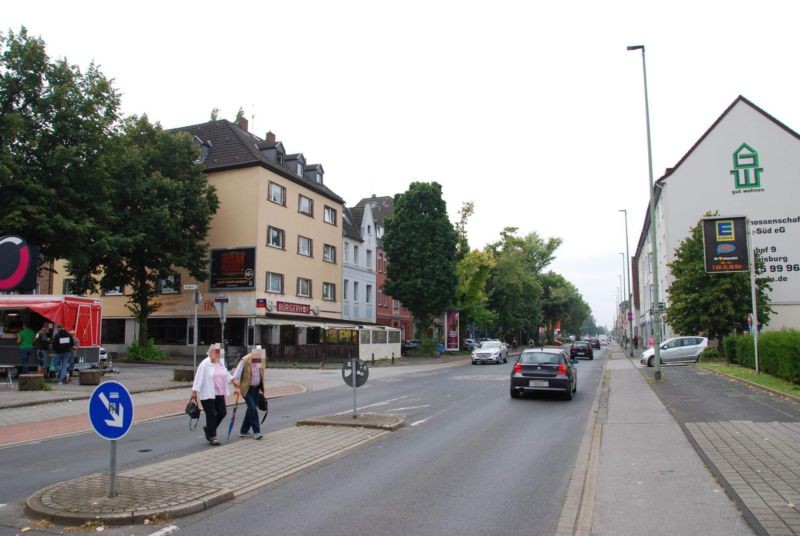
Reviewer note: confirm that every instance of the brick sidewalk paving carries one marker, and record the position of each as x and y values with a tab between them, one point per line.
180	487
760	463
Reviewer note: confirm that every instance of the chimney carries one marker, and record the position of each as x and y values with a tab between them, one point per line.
242	123
270	138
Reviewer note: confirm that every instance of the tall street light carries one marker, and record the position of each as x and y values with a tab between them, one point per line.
624	292
655	303
630	278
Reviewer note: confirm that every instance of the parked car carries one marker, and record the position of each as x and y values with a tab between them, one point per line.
581	348
595	343
411	344
543	369
490	352
470	344
677	350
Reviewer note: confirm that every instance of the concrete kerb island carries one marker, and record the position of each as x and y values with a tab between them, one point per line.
178	487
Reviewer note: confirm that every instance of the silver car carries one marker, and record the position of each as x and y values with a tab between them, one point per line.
490	352
677	350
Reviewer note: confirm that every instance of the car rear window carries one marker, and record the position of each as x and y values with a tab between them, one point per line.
540	358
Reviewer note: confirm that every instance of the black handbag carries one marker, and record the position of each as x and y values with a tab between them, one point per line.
263	405
193	411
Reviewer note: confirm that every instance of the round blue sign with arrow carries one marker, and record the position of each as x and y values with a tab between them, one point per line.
111	410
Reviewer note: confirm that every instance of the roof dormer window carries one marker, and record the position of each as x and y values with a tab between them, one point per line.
318	178
300	169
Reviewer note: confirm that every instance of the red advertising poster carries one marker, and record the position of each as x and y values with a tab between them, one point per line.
452	335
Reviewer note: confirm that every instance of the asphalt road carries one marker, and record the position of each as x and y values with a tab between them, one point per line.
693	394
471	461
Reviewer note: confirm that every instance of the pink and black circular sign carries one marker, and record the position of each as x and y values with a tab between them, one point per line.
15	261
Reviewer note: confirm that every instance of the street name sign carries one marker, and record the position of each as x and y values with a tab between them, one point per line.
111	410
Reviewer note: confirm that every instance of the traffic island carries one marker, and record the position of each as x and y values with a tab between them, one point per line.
361	420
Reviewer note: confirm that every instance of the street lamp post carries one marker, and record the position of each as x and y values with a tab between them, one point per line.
630	279
655	302
625	297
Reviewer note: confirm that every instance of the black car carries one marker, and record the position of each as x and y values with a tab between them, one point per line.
595	343
581	348
543	369
411	344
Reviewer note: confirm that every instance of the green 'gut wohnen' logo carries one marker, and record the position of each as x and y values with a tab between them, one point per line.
746	173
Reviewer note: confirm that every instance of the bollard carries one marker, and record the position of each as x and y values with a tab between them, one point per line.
373	359
392	358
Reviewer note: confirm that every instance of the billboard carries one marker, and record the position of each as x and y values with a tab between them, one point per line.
19	264
725	244
233	268
452	334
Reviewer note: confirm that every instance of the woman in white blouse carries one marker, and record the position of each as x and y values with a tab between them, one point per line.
212	383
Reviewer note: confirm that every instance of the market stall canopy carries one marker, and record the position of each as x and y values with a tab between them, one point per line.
83	315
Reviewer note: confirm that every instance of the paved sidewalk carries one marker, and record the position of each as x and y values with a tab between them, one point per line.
192	483
650	480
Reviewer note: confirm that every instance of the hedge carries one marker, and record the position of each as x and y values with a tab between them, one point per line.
778	353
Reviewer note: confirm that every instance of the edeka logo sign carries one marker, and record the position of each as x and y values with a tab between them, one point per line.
746	173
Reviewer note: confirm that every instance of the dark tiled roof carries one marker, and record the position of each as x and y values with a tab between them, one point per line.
382	207
349	228
231	147
358	216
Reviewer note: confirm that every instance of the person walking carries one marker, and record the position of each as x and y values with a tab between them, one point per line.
62	348
25	341
42	344
212	383
248	378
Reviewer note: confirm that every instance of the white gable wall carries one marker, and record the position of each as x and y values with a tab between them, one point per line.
703	183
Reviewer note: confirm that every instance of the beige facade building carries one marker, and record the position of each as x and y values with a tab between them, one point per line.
275	255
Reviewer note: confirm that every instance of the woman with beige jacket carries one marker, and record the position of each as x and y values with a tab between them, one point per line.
248	378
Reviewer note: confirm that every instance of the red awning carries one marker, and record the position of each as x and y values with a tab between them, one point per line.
83	315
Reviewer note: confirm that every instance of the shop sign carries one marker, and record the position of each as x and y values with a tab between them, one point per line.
725	244
296	308
233	268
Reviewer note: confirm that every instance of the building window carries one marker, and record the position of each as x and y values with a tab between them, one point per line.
300	169
368	297
355	291
69	286
395	305
303	287
346	252
329	216
344	292
369	230
328	291
305	205
318	178
380	262
304	246
275	237
113	331
274	282
355	254
169	285
277	193
167	330
329	253
116	291
369	260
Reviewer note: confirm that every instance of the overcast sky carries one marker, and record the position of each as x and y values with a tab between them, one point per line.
532	110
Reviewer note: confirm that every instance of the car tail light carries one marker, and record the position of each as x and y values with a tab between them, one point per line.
562	369
517	368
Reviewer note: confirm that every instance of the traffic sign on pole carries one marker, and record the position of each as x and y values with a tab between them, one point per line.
111	410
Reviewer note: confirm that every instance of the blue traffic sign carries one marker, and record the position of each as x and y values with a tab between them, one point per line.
111	410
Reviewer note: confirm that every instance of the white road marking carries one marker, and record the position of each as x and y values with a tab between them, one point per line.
418	422
166	530
410	407
376	404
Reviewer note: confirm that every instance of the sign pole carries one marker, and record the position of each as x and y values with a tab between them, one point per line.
355	383
194	350
753	293
112	482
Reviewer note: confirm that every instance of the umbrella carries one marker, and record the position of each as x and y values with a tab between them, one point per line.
233	416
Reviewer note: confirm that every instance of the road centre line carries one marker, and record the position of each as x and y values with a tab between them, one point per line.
376	404
166	530
410	407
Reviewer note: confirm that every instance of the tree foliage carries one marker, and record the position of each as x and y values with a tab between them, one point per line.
421	243
710	303
472	274
561	302
158	216
55	122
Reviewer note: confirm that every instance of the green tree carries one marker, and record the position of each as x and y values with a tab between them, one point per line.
561	303
710	303
472	274
55	122
466	212
421	243
160	212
